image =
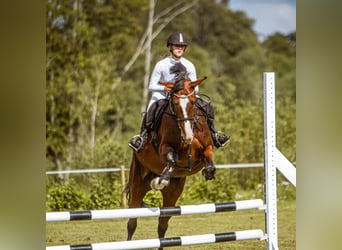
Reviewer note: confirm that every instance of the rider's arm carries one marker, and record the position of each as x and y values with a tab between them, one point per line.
156	77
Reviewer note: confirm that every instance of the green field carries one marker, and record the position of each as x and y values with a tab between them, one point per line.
85	232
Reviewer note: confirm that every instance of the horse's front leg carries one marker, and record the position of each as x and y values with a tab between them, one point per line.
163	180
209	170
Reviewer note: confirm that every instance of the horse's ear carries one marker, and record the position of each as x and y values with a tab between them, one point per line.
198	81
168	84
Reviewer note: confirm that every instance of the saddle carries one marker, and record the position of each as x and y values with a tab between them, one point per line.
154	120
157	109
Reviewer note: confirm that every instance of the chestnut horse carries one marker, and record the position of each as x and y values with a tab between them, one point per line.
185	147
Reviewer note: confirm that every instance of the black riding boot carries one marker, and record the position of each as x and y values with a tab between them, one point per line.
138	142
220	139
148	123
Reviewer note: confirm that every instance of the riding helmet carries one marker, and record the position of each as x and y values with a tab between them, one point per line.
176	38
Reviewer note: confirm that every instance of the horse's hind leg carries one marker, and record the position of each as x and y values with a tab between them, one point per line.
131	226
170	194
138	187
135	202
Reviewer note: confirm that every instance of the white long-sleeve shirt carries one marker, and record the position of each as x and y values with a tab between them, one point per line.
161	73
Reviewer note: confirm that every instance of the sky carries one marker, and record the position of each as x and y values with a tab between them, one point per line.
270	15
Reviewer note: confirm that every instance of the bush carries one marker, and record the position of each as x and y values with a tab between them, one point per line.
285	190
153	198
105	193
197	190
96	192
65	197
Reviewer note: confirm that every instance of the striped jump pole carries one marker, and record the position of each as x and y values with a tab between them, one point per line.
167	242
154	212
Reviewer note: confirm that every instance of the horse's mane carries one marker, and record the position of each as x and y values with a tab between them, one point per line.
181	74
177	68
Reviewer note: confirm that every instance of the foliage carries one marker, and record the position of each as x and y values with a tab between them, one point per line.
92	192
153	198
280	51
285	190
104	193
65	198
198	190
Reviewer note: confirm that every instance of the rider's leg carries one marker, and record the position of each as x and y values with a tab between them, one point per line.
220	139
138	142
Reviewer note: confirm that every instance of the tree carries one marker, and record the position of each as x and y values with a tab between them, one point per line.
82	44
280	51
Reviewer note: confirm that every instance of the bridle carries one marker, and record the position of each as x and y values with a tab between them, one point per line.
184	96
193	118
183	119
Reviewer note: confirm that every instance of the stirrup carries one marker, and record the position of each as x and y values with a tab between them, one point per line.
224	137
137	139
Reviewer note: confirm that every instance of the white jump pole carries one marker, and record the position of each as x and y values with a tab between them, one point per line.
256	234
270	161
156	211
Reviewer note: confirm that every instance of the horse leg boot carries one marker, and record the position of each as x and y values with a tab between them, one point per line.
220	139
163	180
165	176
209	170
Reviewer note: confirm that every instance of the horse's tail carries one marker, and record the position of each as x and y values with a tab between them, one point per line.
127	189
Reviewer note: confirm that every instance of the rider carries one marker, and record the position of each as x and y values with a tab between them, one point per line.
177	44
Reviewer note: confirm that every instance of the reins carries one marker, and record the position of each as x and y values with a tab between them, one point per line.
184	96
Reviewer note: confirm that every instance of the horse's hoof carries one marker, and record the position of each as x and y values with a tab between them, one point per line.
209	177
209	173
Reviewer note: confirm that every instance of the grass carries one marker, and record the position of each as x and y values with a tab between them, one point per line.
86	232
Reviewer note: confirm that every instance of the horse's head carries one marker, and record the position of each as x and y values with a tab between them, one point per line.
183	99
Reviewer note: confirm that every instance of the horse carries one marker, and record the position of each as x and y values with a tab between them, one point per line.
185	148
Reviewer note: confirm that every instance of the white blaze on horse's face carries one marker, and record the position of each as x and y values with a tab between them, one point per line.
189	135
